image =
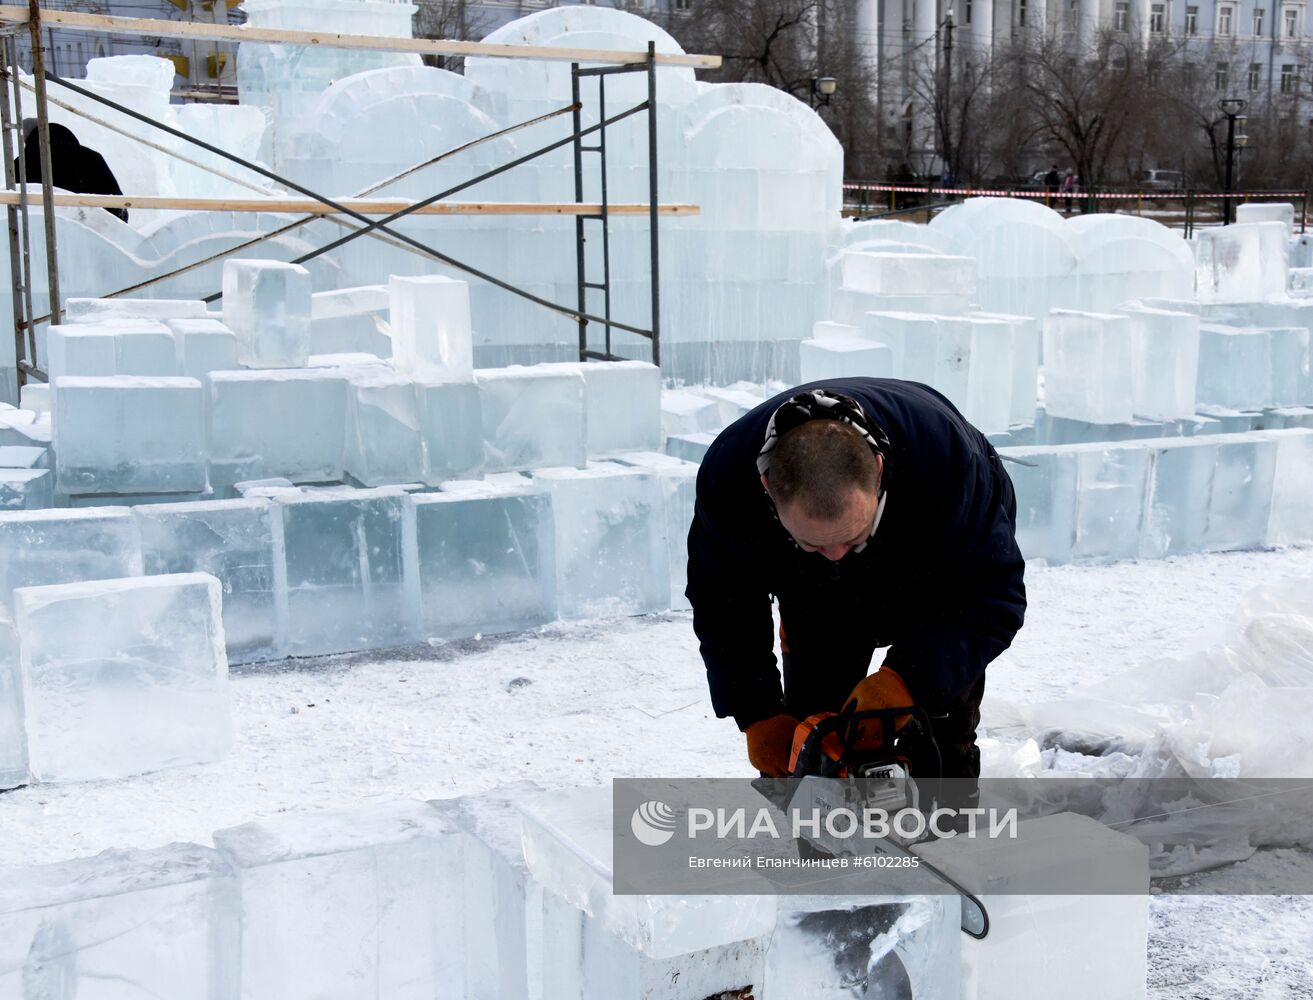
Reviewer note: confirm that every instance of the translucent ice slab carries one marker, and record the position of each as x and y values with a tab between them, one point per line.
125	347
383	444
26	489
532	417
1235	367
908	274
266	303
612	553
359	904
679	486
451	427
1087	367
841	357
204	346
127	434
351	576
125	923
1164	362
123	676
98	310
13	735
430	321
486	560
66	546
233	541
622	400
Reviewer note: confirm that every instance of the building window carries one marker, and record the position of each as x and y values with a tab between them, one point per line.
1073	15
1222	77
684	5
1255	77
1289	78
1192	20
1157	18
1021	13
1258	21
1290	22
1225	20
966	11
1121	15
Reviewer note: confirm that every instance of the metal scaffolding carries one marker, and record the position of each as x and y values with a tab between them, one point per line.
349	214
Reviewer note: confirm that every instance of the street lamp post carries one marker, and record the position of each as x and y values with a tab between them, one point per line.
948	91
823	88
1231	108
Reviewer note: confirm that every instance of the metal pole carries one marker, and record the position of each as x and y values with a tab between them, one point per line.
606	214
47	178
11	59
15	255
948	93
1230	164
652	200
579	233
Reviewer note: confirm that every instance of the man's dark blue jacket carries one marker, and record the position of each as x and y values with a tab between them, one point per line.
940	581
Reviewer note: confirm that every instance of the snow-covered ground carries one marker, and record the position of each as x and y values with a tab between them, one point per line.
580	704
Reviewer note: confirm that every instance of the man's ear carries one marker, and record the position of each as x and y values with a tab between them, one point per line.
765	484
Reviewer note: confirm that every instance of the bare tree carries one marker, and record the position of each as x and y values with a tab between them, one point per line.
454	20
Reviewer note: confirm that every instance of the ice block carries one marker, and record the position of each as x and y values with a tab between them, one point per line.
266	303
532	417
66	546
430	327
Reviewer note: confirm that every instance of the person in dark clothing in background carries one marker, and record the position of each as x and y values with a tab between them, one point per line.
73	166
876	516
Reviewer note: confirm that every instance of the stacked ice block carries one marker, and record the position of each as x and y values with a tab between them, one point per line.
66	546
1087	366
235	541
289	422
129	434
486	559
266	303
1164	361
350	319
430	321
622	405
612	554
204	346
875	281
383	440
351	578
114	347
13	735
532	417
679	490
362	904
122	676
126	923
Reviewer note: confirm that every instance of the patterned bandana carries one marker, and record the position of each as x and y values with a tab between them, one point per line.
821	404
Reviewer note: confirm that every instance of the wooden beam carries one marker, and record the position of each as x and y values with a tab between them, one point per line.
193	30
308	206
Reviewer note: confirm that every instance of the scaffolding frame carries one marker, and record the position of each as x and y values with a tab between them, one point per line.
17	202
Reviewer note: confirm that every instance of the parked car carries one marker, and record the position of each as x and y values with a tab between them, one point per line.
1162	180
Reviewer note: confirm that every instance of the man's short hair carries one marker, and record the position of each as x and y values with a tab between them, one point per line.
818	464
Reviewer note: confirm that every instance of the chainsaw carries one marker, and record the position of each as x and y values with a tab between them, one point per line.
879	759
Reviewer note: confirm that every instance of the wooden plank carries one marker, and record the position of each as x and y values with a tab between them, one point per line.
158	28
308	206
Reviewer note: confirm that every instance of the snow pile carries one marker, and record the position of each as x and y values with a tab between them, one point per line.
1196	753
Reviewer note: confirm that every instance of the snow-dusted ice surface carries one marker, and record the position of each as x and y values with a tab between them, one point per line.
580	704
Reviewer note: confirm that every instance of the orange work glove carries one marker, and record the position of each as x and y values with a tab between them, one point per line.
882	689
770	742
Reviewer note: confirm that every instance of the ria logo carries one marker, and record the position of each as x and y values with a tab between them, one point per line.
653	823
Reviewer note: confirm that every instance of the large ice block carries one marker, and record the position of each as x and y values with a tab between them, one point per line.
1242	263
907	273
843	357
1176	515
689	447
123	676
266	303
1267	211
686	412
732	402
65	546
430	321
1045	483
350	319
26	489
127	434
1111	489
126	347
679	486
568	848
277	423
1087	367
451	428
234	541
1240	501
1289	351
1291	518
503	904
13	734
21	457
1164	362
913	338
383	441
850	305
204	346
622	403
486	560
1235	367
1025	365
532	417
611	545
35	396
356	904
1037	938
350	564
100	310
973	368
124	923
